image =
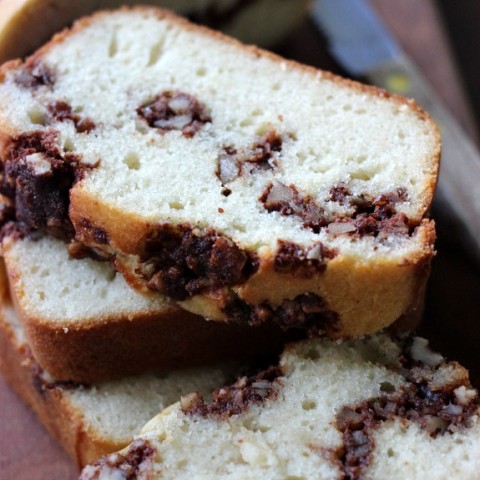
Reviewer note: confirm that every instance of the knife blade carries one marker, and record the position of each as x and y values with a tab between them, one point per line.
362	44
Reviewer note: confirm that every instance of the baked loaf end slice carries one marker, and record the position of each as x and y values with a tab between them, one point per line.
373	408
85	324
91	420
242	19
244	186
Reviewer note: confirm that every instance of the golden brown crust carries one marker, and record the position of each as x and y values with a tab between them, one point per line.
52	406
367	296
127	347
126	233
100	349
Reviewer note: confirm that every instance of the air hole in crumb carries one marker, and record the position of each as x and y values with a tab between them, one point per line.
239	228
34	269
309	404
201	71
360	111
65	290
390	452
79	109
361	158
176	205
103	293
361	175
311	354
257	112
45	273
301	157
113	46
319	168
68	145
37	116
41	295
141	127
246	122
347	108
276	87
132	161
263	428
401	135
155	53
263	129
249	424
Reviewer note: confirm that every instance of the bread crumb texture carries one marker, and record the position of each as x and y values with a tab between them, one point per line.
372	408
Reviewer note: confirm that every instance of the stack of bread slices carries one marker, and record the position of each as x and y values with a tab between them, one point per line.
175	207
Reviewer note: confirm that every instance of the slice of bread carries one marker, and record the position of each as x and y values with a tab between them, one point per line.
85	324
92	420
239	18
243	185
374	408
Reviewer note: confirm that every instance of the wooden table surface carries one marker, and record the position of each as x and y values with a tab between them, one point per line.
453	300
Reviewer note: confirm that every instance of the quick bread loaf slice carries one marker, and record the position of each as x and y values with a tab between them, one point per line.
239	18
85	324
92	420
242	185
374	408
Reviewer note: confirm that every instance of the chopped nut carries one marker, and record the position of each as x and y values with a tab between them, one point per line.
175	111
421	352
188	401
341	228
39	164
464	395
